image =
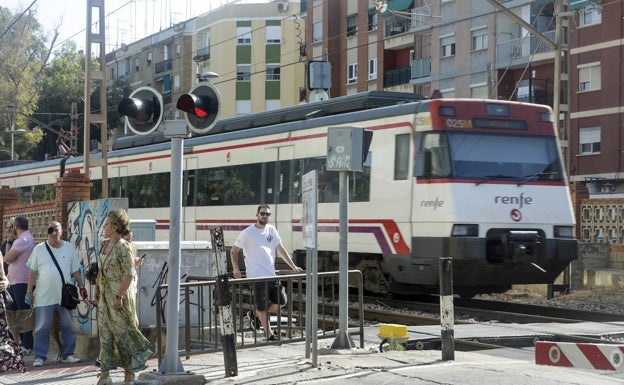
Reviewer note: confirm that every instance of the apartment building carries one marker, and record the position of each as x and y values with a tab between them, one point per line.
250	52
597	97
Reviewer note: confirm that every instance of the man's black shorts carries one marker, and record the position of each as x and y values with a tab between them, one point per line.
276	294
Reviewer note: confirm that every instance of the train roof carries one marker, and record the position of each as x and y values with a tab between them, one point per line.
339	105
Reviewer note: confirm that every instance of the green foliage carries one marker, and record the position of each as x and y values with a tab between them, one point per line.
23	56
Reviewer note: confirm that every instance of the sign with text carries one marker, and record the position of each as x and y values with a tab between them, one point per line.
347	148
309	214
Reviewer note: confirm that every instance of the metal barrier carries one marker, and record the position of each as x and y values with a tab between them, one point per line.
199	328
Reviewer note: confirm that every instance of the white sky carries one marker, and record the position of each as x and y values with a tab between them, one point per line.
126	20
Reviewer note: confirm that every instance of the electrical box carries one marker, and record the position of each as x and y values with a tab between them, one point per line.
347	148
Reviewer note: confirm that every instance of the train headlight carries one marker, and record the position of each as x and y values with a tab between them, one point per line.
465	230
563	231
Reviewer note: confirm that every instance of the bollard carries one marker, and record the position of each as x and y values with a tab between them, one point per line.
223	299
447	316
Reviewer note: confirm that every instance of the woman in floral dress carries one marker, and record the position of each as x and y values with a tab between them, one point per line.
121	342
11	356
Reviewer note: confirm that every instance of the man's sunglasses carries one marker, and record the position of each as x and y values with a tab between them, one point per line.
264	214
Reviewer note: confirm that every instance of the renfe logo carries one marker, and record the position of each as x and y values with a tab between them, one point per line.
435	204
520	200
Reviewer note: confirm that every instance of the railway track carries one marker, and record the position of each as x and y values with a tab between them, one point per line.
482	310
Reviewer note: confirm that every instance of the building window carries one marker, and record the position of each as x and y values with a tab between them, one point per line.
178	50
243	35
447	46
372	69
372	21
273	34
590	15
273	72
589	140
317	32
479	39
351	73
149	58
136	64
243	107
589	77
479	91
243	72
352	24
272	104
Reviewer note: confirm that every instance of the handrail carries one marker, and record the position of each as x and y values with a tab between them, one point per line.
199	327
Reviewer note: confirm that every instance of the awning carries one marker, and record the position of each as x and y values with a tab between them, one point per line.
397	5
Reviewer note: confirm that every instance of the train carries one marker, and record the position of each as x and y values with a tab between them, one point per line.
480	181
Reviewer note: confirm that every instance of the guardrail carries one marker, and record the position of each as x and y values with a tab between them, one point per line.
199	332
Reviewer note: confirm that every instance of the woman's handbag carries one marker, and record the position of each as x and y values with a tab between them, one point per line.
69	291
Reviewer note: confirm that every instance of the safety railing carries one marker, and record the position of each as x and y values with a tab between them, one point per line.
199	323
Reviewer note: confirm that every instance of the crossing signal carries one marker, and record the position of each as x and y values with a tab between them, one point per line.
143	110
202	106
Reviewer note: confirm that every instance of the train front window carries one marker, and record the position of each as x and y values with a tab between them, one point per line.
521	158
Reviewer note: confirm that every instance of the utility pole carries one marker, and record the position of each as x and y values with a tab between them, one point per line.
96	77
561	91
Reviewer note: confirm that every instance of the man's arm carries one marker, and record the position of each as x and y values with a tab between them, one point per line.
12	254
234	258
281	250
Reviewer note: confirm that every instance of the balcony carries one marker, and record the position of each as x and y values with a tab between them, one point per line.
202	54
421	68
397	76
163	66
518	51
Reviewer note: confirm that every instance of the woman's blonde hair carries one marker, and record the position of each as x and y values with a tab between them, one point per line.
120	219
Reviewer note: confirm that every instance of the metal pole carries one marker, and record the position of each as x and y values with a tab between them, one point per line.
447	316
224	302
172	363
343	340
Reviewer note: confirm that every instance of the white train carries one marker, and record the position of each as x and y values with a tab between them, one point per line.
481	181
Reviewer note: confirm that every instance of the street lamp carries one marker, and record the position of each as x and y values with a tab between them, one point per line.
14	132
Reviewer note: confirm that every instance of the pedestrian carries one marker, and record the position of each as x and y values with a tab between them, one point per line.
259	243
121	342
11	357
8	241
47	299
132	290
16	257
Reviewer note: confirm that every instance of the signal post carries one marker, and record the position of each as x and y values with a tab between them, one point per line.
143	112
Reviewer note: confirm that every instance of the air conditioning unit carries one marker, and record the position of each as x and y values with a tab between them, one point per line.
282	7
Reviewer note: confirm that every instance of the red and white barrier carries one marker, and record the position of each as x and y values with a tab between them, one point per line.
580	355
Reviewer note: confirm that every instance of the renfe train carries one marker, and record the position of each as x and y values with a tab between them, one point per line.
481	181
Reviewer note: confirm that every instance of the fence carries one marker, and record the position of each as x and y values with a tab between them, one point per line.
199	333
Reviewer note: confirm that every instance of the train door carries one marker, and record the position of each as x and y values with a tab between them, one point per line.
189	194
118	182
279	188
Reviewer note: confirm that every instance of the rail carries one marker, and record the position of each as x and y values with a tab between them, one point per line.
199	326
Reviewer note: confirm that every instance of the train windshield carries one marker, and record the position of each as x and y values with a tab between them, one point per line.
489	157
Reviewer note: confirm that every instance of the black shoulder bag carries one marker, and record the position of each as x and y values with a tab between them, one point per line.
69	291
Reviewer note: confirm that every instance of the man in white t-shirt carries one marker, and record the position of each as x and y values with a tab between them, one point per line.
47	299
259	243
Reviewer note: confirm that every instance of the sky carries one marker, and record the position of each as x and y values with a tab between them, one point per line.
126	20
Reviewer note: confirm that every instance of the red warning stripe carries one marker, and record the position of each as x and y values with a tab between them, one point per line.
581	355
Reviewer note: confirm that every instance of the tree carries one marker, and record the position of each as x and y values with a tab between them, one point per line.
23	57
62	83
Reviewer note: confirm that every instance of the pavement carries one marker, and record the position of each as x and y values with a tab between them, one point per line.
286	364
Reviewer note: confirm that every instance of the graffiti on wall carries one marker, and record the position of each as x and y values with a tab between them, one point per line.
84	231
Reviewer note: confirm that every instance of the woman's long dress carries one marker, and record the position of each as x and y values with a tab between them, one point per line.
122	344
11	356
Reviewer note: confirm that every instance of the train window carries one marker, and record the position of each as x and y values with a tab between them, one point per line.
496	109
401	156
436	144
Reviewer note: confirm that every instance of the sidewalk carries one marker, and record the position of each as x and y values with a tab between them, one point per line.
286	364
